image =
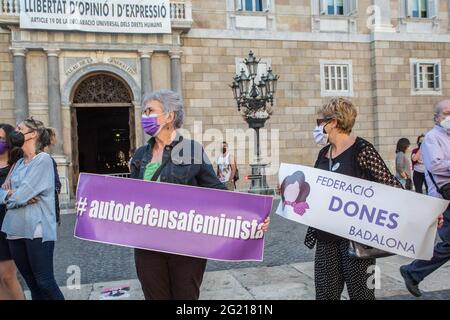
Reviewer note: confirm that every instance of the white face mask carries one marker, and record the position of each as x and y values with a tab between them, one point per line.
320	137
446	123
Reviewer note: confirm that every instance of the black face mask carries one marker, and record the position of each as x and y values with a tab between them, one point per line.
17	139
224	150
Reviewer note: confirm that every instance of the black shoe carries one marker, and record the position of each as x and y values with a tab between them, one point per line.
411	284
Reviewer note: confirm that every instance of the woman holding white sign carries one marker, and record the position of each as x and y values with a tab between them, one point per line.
356	157
168	157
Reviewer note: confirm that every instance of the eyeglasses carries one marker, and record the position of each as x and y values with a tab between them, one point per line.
320	121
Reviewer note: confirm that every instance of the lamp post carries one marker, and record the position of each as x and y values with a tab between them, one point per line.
255	102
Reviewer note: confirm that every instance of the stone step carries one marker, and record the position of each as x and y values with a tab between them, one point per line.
287	282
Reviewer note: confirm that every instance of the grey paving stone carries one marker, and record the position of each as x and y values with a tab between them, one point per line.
82	293
434	295
284	291
77	294
437	281
305	267
215	280
280	282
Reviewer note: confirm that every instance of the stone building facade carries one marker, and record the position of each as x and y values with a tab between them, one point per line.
392	58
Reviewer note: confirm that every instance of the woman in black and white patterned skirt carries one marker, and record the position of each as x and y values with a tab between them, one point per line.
356	157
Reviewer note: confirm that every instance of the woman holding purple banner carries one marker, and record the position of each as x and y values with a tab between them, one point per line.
356	157
168	157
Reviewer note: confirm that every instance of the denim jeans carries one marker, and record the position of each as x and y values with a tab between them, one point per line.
419	269
34	259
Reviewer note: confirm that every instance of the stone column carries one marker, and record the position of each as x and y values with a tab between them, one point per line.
146	71
20	84
175	70
55	121
146	86
54	98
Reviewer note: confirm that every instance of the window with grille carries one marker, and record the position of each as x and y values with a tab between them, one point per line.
336	78
426	76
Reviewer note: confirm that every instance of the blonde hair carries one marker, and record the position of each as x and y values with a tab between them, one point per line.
343	111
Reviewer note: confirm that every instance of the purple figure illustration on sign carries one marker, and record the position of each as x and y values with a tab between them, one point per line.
294	191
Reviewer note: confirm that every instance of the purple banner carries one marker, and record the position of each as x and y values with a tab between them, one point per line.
191	221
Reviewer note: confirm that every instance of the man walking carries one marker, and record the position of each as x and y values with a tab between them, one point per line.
435	151
226	167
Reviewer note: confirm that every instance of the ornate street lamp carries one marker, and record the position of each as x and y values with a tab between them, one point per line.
271	80
255	102
252	64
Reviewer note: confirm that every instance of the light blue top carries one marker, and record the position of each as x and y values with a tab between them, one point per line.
35	179
435	151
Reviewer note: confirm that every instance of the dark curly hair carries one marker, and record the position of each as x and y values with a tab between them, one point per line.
14	140
402	145
420	137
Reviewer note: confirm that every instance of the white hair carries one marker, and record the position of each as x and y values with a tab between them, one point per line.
170	101
438	107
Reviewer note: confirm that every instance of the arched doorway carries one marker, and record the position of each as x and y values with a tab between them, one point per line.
103	138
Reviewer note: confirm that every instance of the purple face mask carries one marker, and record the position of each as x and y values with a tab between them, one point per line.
3	147
150	124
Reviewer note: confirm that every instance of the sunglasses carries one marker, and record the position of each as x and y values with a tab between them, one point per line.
32	124
320	121
29	123
19	129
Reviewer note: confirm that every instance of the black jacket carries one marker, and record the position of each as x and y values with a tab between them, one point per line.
188	164
368	165
57	192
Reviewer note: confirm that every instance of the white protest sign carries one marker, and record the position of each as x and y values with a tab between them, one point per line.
111	16
384	217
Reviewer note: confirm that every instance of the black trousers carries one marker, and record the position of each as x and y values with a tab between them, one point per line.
333	268
419	181
165	276
34	259
419	269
